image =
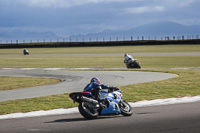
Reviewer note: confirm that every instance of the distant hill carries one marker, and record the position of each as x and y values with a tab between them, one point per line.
158	29
24	34
151	30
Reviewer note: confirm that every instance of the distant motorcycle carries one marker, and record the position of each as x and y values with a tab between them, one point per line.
25	51
130	62
111	103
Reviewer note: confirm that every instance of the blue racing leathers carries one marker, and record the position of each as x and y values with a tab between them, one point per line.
95	89
91	86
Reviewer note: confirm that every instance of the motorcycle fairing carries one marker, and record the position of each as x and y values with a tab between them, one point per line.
113	108
103	94
114	96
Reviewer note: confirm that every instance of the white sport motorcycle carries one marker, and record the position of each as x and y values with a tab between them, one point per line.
130	62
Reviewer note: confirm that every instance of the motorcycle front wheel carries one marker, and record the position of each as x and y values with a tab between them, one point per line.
88	110
136	65
125	108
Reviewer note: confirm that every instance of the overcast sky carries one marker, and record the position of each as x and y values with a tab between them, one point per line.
69	17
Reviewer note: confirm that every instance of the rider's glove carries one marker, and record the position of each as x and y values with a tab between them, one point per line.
111	89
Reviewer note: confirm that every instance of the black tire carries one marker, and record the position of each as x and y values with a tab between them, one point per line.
129	66
87	112
125	108
26	53
133	65
137	65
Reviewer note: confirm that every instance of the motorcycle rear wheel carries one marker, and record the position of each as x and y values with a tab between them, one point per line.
125	108
88	110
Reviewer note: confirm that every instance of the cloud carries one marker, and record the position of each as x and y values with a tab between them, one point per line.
69	17
181	3
187	3
144	9
67	3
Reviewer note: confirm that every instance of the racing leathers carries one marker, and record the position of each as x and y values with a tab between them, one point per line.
95	89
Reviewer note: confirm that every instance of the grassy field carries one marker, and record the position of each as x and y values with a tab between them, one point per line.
98	62
113	49
186	84
11	83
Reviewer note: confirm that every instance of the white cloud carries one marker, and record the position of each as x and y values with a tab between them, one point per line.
145	9
187	3
67	3
50	3
176	3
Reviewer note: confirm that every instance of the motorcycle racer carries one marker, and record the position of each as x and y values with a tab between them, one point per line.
111	102
127	58
95	88
130	62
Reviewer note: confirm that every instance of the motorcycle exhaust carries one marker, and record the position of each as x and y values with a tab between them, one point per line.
85	99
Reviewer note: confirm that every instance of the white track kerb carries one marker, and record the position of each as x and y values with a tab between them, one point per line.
75	110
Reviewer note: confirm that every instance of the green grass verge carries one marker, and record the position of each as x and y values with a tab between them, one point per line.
98	62
186	84
11	83
109	49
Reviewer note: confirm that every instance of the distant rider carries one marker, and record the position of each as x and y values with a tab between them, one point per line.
25	51
127	58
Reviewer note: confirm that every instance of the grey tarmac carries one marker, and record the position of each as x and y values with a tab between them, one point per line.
179	118
72	81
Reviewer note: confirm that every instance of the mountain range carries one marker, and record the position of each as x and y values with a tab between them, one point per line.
156	29
151	30
25	34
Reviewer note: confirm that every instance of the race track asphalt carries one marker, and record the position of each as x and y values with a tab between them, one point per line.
74	80
179	118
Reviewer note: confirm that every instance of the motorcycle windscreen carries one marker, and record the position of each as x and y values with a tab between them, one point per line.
103	94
